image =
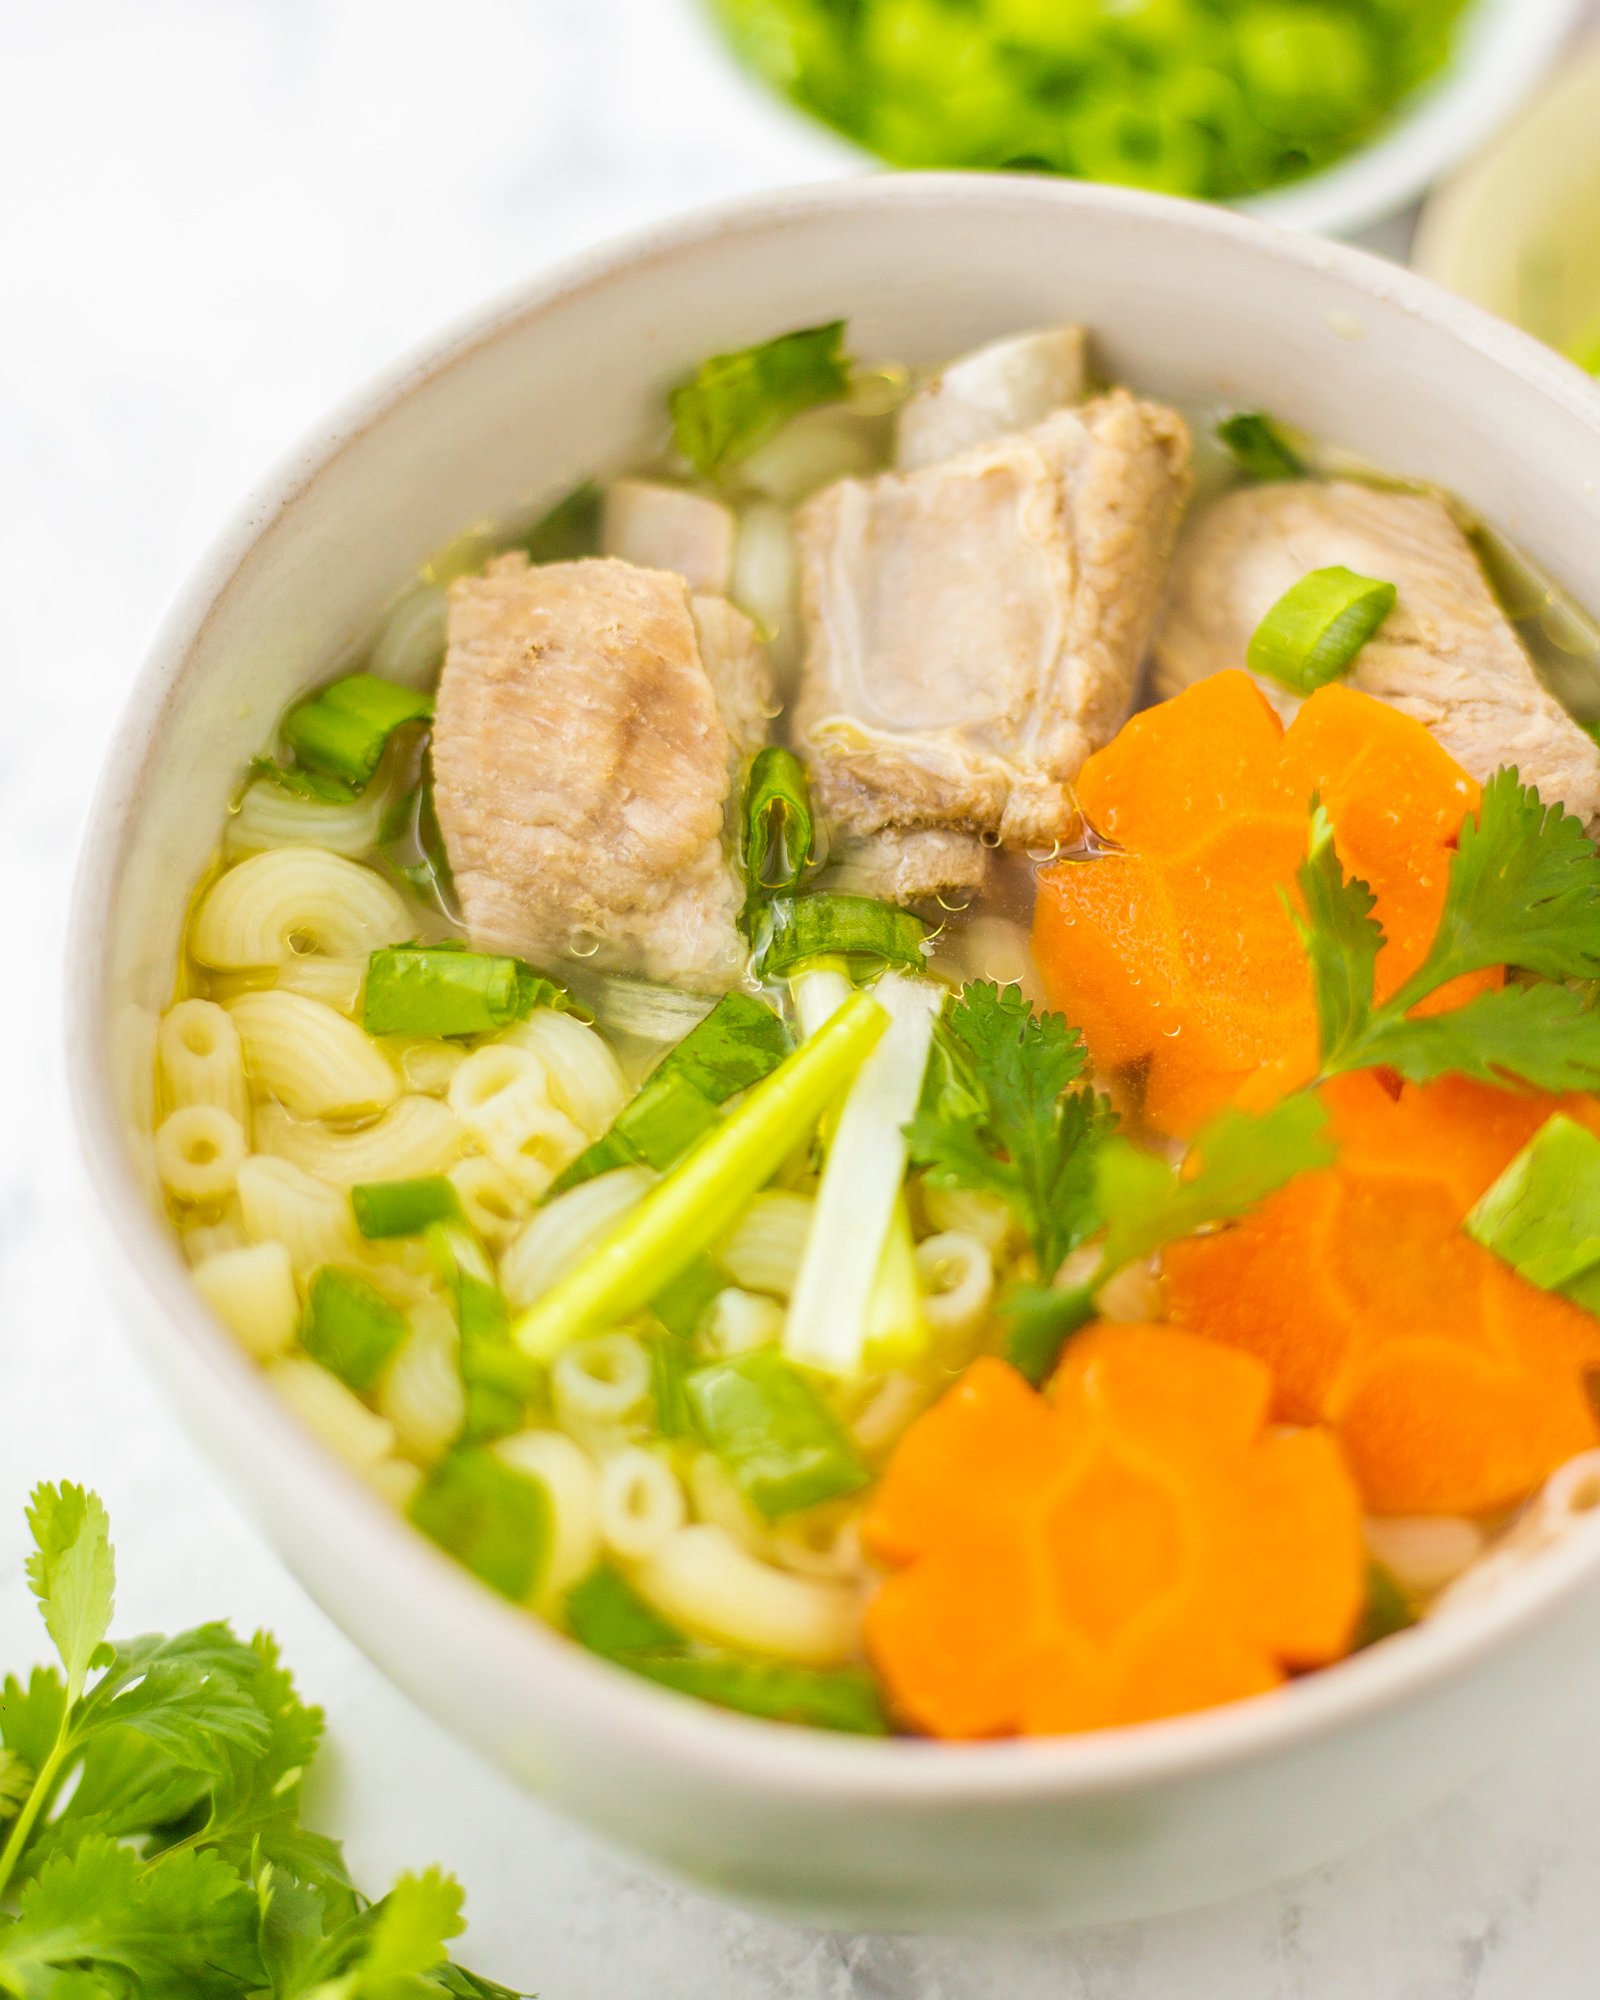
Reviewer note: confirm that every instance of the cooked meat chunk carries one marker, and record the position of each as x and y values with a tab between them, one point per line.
900	867
1010	385
662	527
1447	654
583	759
974	630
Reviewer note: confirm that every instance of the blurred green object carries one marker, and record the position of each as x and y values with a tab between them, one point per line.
1216	98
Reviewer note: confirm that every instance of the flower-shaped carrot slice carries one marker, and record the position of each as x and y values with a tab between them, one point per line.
1453	1385
1136	1545
1177	951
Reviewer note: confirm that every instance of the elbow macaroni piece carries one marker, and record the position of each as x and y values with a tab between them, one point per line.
567	1229
338	1416
414	1137
296	899
701	1579
210	1239
495	1205
282	1203
568	1478
764	1249
602	1388
501	1094
252	1291
957	1276
199	1151
313	1060
985	1216
336	982
738	1322
583	1077
269	816
427	1066
421	1392
202	1058
641	1503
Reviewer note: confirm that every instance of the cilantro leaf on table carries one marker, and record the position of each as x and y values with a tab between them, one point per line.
153	1849
1237	1161
1004	1120
1524	890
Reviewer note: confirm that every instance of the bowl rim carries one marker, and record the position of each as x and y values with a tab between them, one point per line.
781	1760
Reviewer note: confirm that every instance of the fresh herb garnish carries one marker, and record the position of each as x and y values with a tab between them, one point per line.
155	1846
1007	1122
737	401
1237	1161
1525	891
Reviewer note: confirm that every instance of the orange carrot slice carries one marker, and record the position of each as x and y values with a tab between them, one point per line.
1136	1545
1176	952
1454	1386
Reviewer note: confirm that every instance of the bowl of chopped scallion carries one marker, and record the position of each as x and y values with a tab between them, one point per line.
1320	114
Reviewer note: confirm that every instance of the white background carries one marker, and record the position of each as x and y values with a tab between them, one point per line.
216	218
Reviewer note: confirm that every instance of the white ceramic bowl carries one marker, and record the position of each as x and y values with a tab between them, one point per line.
567	377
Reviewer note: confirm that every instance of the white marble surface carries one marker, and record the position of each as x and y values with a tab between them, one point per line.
216	217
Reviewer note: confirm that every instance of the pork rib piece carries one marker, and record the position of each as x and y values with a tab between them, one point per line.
975	629
1446	655
591	721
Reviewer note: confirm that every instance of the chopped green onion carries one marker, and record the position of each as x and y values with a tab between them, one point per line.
1542	1216
1388	1609
342	731
737	401
1260	448
608	1616
1315	630
682	1305
686	1212
404	1208
412	844
836	1290
497	1378
779	831
571	529
351	1328
738	1043
444	989
495	1520
779	1442
304	784
807	927
672	1360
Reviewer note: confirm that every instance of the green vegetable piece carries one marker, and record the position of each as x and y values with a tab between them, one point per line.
493	1519
738	1043
498	1379
73	1574
1315	630
571	529
304	784
672	1357
607	1615
806	927
1542	1216
404	1208
342	730
781	1444
1524	890
703	1195
412	844
1241	1160
350	1328
1025	1137
682	1305
1260	448
737	401
1388	1609
779	831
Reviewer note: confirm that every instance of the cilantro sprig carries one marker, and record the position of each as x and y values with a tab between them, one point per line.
1524	890
154	1846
